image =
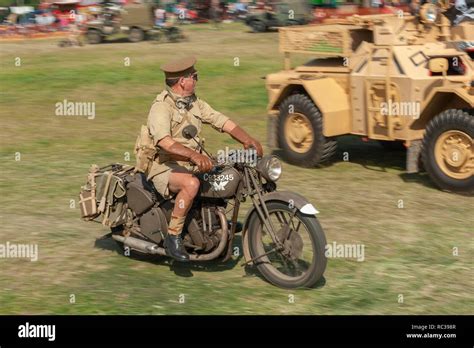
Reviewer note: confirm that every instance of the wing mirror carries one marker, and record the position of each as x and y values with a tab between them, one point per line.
189	132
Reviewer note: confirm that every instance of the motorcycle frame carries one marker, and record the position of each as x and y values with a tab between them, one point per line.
251	187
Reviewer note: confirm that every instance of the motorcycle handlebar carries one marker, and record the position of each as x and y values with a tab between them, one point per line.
216	168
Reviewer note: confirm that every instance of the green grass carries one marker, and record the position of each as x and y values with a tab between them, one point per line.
408	251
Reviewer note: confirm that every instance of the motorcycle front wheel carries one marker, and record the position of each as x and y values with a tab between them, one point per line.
300	261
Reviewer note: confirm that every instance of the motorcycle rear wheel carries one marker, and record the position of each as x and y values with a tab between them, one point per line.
305	260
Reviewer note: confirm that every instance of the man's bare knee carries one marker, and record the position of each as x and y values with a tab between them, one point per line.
192	186
184	183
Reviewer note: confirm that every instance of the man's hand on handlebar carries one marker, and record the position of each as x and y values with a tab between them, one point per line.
203	162
254	144
241	136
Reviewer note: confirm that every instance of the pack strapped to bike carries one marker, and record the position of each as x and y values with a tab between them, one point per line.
102	198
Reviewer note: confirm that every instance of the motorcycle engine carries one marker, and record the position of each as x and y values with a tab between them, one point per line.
203	230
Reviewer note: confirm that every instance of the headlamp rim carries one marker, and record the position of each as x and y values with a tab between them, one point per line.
263	167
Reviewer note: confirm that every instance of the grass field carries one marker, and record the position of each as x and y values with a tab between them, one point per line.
409	266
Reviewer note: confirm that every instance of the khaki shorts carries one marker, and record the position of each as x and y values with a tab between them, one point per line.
160	174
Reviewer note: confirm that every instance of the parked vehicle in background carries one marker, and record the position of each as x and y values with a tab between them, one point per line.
387	77
279	14
134	20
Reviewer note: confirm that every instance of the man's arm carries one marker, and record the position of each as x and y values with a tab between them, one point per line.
224	124
229	126
204	163
159	125
236	132
159	119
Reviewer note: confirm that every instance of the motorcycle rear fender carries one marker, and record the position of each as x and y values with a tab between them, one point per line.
287	197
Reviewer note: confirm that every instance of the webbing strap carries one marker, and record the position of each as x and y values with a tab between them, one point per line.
104	196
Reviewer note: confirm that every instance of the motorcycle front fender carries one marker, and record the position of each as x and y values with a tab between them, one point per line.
288	197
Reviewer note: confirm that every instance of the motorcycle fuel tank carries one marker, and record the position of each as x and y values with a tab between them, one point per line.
221	184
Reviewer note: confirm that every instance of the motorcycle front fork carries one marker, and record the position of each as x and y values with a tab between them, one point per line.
262	210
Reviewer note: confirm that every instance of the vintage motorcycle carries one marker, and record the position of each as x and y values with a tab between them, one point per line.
281	235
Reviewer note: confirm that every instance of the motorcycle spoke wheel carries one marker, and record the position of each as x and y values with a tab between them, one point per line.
296	256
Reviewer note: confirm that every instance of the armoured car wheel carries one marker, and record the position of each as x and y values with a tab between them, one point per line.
258	26
300	132
136	35
94	37
302	260
448	150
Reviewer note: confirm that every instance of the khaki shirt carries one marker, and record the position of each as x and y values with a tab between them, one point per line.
165	119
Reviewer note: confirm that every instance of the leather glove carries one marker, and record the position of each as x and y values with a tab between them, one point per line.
203	162
241	136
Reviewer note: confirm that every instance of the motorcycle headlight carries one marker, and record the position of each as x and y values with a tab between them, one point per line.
270	168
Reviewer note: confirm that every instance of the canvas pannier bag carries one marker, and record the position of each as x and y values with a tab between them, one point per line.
145	151
102	198
87	196
87	203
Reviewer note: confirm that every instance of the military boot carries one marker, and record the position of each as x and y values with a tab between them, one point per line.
174	248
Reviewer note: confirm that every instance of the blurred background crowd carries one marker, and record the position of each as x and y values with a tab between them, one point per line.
39	18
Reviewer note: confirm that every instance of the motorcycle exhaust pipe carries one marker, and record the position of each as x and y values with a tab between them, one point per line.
222	244
153	249
140	245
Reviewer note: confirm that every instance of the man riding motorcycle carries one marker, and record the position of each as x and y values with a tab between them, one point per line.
172	171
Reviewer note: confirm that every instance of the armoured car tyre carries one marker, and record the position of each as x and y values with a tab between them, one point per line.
258	26
306	247
94	37
448	150
136	35
300	132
